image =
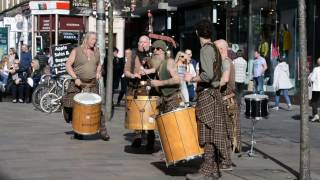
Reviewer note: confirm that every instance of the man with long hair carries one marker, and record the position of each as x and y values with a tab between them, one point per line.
210	110
84	66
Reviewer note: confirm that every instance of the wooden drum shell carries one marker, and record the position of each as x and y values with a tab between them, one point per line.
179	135
86	118
141	112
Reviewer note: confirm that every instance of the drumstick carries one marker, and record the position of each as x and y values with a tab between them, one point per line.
145	73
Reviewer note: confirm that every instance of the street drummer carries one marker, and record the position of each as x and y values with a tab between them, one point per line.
83	65
210	110
228	88
137	69
168	82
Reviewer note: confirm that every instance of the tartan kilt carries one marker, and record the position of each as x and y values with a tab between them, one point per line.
171	102
233	120
212	119
67	100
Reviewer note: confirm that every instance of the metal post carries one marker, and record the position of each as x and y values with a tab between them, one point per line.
32	37
56	29
109	87
304	129
101	34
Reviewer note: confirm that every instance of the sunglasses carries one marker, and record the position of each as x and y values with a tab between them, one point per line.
181	56
156	49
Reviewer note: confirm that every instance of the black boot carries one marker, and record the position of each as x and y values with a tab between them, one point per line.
104	134
78	136
136	143
67	114
150	140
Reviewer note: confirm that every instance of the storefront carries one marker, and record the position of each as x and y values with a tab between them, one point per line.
70	29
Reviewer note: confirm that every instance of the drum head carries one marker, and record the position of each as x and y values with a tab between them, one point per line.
256	97
87	98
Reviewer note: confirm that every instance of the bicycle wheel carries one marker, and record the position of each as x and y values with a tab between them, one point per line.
50	102
37	95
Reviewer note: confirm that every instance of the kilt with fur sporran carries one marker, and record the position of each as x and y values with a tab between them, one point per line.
234	119
67	100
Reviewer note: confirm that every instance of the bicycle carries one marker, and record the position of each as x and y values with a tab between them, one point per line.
44	84
51	100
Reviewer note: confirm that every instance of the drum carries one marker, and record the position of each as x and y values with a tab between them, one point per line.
141	112
86	113
179	135
256	106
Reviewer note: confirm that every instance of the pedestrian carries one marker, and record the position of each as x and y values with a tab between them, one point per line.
18	79
314	78
34	76
240	66
210	110
227	88
191	69
25	58
12	56
282	83
124	80
83	65
118	67
181	63
259	68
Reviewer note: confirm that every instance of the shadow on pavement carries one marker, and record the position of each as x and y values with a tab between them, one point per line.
179	169
84	137
265	155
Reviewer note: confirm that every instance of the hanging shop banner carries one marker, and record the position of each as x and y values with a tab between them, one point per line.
60	56
3	41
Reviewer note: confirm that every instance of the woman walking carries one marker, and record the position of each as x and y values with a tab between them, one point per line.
281	83
314	78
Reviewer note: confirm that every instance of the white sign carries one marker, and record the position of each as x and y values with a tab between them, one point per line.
56	11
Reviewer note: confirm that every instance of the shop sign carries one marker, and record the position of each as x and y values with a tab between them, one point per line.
71	23
69	35
60	56
44	23
3	41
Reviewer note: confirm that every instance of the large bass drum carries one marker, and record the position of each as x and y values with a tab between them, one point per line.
86	113
141	112
179	135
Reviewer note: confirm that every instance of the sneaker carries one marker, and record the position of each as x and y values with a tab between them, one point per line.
20	101
289	107
276	108
14	101
315	118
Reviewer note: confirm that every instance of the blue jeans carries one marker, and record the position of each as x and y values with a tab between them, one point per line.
284	92
258	84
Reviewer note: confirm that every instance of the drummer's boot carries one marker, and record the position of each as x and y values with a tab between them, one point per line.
136	142
77	136
150	140
104	134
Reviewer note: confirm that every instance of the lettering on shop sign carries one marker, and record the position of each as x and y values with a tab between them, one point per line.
60	56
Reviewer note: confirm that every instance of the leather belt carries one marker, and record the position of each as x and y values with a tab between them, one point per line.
228	96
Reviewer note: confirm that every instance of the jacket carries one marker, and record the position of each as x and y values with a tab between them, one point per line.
281	77
314	77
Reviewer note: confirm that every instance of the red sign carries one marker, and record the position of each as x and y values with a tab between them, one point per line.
71	23
44	23
66	23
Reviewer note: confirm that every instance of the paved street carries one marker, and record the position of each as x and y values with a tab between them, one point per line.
35	146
